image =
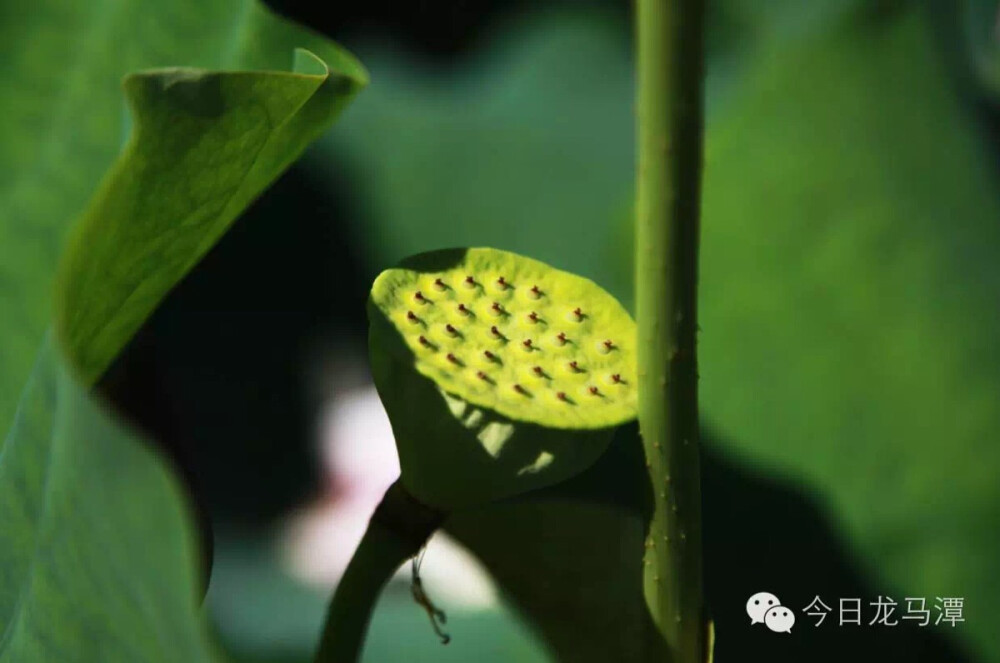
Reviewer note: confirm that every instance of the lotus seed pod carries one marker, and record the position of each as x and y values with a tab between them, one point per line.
499	373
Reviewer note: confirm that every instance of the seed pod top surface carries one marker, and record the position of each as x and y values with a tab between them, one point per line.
512	334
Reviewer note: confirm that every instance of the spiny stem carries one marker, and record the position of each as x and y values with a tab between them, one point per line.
397	531
670	117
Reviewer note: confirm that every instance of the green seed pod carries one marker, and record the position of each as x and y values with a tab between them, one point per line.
500	374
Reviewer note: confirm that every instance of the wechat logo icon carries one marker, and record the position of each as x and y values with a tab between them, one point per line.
765	608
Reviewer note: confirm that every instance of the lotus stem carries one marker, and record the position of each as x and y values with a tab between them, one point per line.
397	531
670	62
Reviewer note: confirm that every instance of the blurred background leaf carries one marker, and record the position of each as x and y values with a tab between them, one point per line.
526	148
849	290
980	34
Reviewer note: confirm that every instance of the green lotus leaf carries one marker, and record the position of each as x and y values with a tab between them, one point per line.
98	557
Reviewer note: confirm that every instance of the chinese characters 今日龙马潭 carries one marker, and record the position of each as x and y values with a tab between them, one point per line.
884	611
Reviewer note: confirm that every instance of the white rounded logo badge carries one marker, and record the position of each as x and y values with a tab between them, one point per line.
765	608
779	619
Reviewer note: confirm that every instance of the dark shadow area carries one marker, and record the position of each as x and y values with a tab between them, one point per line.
761	533
439	31
764	533
218	376
958	51
570	557
440	260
